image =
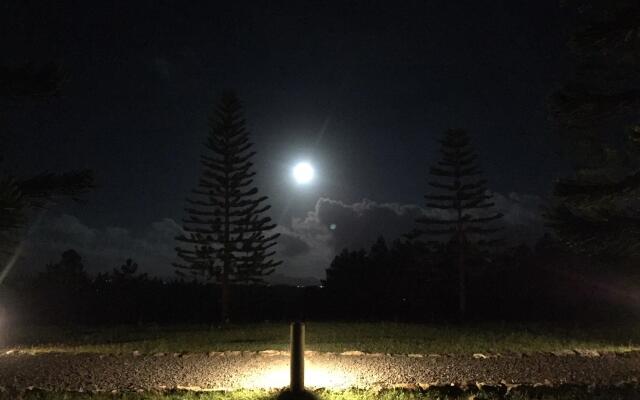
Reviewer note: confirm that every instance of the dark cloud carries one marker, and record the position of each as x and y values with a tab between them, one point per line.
334	225
101	249
290	245
310	255
306	246
358	224
523	221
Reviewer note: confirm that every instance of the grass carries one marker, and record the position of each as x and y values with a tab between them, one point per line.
394	338
570	393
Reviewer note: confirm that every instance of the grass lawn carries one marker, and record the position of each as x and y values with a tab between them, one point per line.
337	337
558	394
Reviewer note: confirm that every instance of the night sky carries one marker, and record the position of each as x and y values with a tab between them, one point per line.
363	90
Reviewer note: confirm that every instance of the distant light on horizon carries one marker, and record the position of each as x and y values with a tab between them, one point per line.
303	173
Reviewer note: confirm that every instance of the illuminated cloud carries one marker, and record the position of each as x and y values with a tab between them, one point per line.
334	225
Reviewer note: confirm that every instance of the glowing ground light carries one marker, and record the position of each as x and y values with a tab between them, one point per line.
316	373
303	173
316	376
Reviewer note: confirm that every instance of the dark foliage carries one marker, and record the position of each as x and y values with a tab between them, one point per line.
595	211
63	294
414	283
65	284
12	206
30	81
401	282
227	237
384	281
606	47
46	187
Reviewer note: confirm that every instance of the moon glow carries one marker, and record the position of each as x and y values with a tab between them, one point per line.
303	173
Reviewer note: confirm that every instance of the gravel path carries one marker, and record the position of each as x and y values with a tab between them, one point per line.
234	370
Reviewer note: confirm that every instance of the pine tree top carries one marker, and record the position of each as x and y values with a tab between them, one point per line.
459	204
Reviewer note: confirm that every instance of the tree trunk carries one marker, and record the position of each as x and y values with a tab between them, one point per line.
462	284
224	300
226	266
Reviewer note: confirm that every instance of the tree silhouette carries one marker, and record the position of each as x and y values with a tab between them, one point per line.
461	207
69	271
595	211
129	267
227	237
64	284
127	272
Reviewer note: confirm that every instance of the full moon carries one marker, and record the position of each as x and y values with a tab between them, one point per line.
303	172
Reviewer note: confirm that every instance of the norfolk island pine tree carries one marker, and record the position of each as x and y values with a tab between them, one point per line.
461	207
227	238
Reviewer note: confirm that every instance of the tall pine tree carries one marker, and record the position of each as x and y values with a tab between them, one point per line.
461	205
227	237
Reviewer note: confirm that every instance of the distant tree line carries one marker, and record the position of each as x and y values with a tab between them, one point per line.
408	281
402	281
65	294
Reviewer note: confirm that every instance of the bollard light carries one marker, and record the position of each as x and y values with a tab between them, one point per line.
319	372
297	357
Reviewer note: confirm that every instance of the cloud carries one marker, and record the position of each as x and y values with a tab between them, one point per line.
523	221
358	224
101	249
334	225
303	253
307	245
291	245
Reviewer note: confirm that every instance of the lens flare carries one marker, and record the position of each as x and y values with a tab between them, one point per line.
12	261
